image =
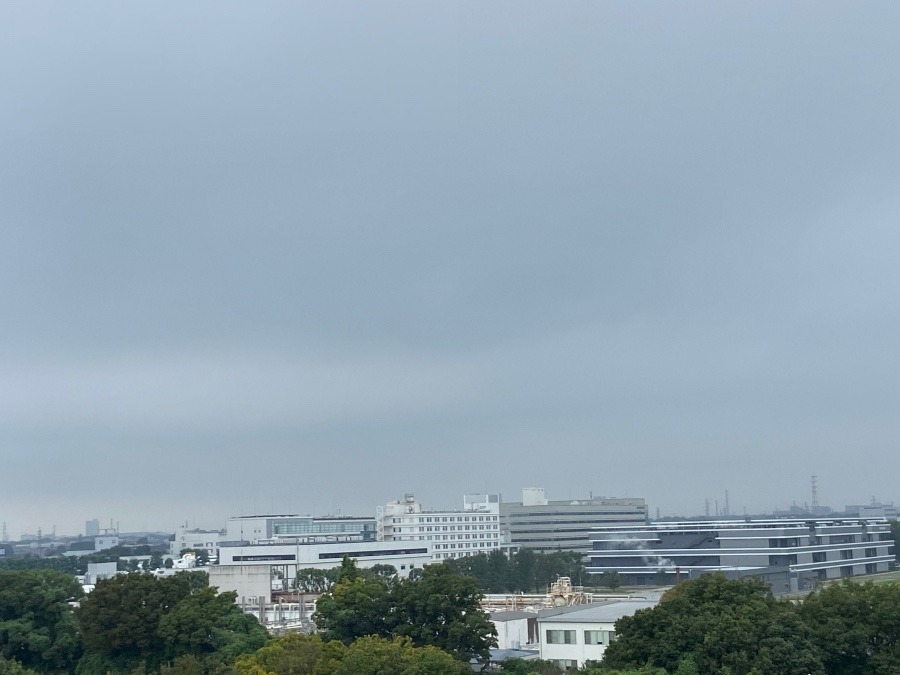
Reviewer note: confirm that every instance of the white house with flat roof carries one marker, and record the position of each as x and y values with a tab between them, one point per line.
572	636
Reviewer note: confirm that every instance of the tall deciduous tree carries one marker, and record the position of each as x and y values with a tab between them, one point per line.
442	609
728	627
37	628
208	624
856	626
439	608
355	607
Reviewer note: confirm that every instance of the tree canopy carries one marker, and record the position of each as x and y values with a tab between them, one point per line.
134	619
726	627
440	608
371	655
37	629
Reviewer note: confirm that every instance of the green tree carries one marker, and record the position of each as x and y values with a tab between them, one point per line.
354	607
14	668
727	627
37	628
442	609
530	667
856	627
119	620
291	654
377	656
209	625
611	579
313	580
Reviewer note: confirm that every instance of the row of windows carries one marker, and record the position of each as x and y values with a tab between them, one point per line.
474	544
305	527
443	537
446	519
447	528
569	637
366	554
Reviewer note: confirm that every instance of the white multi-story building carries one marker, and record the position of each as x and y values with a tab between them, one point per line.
545	525
453	534
196	539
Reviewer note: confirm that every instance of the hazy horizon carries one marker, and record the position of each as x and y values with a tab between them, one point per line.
313	256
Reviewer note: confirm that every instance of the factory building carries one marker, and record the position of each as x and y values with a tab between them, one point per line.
564	525
790	554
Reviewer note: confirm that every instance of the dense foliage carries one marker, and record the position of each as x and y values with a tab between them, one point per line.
135	619
718	627
310	655
37	629
373	622
79	564
525	571
439	608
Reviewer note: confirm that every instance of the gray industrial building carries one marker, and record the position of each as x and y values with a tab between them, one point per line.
564	525
789	554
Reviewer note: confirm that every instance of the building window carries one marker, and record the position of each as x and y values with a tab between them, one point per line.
819	557
560	637
871	568
871	552
597	637
846	555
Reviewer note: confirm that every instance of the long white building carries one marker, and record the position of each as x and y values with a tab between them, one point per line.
800	551
452	534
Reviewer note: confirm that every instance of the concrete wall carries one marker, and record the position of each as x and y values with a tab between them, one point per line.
248	581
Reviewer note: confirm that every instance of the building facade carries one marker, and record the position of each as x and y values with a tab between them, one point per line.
272	527
452	534
564	525
807	550
195	539
572	636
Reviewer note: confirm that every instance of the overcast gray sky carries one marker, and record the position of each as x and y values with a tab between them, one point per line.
311	256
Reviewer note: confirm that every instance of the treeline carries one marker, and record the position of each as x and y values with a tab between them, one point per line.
522	572
133	622
712	626
369	621
78	564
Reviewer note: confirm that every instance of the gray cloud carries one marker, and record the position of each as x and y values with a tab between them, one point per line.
314	256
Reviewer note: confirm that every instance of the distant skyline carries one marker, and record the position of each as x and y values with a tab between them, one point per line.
317	255
715	501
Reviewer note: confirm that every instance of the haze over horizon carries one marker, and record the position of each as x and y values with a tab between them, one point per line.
313	256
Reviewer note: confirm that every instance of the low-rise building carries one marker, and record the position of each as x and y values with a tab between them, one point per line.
572	636
242	565
515	629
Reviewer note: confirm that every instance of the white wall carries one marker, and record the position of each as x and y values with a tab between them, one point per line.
512	634
578	651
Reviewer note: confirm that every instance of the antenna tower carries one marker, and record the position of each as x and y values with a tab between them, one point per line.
814	488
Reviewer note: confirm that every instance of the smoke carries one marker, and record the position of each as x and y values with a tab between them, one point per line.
640	546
